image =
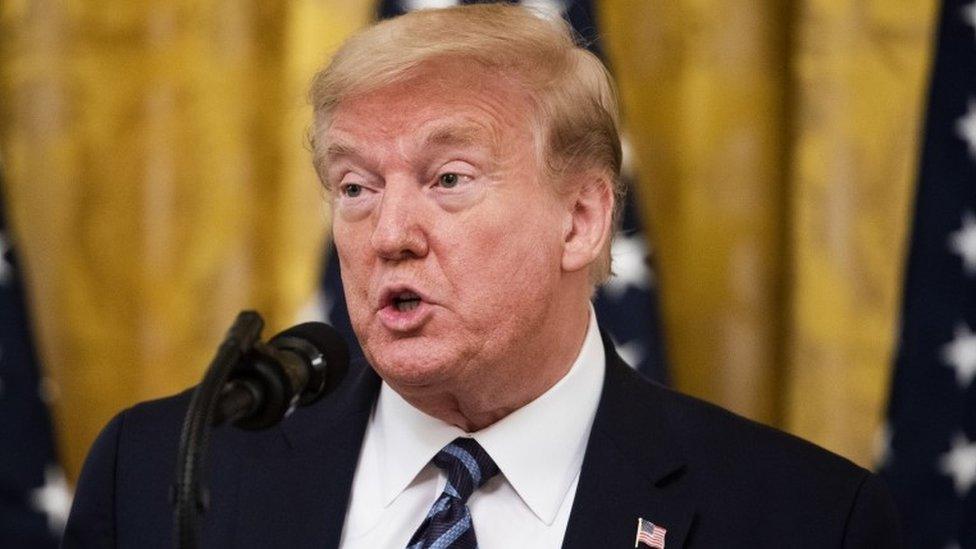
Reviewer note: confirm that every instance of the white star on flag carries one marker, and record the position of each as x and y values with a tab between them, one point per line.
411	5
963	242
632	352
966	126
882	446
960	354
316	309
969	14
629	265
53	499
549	9
960	463
5	268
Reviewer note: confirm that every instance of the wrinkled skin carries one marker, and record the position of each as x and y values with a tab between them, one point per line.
438	191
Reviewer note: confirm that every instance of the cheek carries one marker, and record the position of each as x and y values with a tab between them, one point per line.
354	265
505	261
350	240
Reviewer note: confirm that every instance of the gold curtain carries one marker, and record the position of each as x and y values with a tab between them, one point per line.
777	145
158	183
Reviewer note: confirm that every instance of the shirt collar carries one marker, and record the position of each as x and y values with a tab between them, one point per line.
539	447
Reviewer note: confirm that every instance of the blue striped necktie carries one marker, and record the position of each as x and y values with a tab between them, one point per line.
448	523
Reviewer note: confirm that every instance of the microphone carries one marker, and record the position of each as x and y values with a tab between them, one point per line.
294	368
254	385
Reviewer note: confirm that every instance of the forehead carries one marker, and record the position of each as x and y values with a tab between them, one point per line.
447	102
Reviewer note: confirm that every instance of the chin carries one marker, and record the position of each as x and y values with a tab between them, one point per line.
412	363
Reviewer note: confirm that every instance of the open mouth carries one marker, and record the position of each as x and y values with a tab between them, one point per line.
405	301
404	310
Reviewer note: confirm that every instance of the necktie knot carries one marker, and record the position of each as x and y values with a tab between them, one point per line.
467	466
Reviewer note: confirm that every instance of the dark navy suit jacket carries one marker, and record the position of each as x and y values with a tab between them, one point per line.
711	478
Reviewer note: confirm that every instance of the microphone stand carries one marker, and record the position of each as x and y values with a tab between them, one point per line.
190	499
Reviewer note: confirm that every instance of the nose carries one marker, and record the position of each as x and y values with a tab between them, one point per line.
400	232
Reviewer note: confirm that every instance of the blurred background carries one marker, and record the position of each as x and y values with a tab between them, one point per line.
155	181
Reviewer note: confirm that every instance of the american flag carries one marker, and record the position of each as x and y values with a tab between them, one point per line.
626	307
930	461
649	534
34	498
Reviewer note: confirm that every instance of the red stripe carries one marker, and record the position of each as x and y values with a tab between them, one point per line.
654	541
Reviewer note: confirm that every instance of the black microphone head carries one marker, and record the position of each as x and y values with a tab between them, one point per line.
325	350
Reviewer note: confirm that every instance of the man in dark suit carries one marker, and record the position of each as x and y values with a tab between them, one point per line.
472	157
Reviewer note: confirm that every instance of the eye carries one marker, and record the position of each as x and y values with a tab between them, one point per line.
449	180
351	190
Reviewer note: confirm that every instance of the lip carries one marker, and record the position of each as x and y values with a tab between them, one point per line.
403	321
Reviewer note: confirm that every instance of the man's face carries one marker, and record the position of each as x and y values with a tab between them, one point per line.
448	237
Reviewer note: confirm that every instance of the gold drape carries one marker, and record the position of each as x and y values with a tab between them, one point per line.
862	72
158	183
777	143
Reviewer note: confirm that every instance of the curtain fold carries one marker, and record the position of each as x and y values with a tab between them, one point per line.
777	145
158	183
861	73
704	90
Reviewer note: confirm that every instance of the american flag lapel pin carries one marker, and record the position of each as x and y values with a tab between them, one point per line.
649	534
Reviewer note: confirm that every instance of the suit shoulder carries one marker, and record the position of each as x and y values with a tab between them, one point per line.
792	484
725	427
129	454
722	435
725	451
705	432
164	409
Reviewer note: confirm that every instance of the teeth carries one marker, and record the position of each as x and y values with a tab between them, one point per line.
408	305
405	301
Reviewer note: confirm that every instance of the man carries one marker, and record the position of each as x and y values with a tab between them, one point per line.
472	159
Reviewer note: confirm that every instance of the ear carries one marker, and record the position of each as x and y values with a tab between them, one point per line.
590	209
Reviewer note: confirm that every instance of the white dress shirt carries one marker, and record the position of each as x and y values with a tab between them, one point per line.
538	448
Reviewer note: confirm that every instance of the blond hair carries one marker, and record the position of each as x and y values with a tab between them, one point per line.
573	94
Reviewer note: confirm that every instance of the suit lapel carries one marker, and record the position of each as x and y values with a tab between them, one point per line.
296	487
633	467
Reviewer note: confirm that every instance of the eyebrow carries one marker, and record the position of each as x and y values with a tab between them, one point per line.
464	135
451	135
339	150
